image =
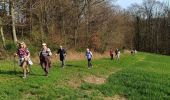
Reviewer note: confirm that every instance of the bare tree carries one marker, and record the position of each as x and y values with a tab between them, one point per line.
13	21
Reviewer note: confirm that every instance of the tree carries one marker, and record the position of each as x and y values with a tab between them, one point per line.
13	21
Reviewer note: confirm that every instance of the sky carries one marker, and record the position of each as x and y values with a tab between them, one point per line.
126	3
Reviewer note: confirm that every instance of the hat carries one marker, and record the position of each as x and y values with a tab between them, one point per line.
44	44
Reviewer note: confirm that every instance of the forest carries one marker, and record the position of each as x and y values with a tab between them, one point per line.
105	51
78	24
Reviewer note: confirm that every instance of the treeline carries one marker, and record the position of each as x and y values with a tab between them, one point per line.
152	26
97	24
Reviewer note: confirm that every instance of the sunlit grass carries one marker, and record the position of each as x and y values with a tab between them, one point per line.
139	77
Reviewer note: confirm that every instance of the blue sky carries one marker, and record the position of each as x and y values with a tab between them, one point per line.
126	3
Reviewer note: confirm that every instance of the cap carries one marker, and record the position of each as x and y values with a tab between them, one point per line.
44	44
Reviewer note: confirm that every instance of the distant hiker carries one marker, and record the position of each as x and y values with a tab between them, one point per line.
89	56
45	60
62	54
133	51
117	52
111	54
24	58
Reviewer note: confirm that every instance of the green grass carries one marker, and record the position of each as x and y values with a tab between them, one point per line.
141	77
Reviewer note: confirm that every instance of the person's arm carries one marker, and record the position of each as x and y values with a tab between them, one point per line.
28	53
57	52
91	54
65	53
49	52
17	53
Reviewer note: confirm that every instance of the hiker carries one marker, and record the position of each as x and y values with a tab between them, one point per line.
62	54
24	58
133	51
45	60
111	54
89	58
117	52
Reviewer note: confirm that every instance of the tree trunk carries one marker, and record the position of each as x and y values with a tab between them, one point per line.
88	13
13	21
41	22
76	22
2	36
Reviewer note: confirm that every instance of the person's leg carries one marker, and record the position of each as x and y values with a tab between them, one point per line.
63	63
27	68
24	69
112	57
46	70
46	66
118	56
49	63
91	63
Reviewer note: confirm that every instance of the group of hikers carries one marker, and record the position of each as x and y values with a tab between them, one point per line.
45	58
115	54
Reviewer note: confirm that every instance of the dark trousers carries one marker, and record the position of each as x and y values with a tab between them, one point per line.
89	63
111	56
45	64
62	63
62	59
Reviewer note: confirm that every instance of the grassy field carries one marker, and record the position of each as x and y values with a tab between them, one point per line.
140	77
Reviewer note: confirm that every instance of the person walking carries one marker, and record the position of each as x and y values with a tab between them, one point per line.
89	56
111	54
45	60
117	52
62	54
24	58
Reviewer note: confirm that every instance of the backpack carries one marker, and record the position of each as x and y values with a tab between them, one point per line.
41	56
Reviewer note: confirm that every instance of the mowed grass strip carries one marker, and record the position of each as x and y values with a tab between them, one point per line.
139	77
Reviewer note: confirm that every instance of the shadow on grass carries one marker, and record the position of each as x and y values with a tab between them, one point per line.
70	65
9	72
18	73
66	65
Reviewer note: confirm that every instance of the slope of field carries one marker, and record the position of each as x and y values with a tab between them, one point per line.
140	77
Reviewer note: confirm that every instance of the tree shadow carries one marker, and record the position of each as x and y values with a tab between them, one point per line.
70	65
18	73
9	72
